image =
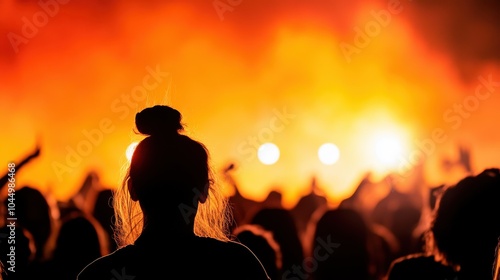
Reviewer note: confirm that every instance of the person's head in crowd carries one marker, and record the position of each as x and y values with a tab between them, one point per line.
264	246
33	213
80	240
464	232
347	255
169	175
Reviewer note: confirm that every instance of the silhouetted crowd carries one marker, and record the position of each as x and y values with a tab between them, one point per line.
391	229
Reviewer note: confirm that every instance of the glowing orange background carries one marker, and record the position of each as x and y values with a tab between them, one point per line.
229	75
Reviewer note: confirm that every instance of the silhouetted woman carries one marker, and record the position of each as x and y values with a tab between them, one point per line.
172	221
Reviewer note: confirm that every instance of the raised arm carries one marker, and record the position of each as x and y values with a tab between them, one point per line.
34	154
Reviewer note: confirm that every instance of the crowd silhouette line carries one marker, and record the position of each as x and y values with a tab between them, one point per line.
171	217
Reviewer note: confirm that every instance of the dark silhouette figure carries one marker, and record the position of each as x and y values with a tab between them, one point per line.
461	241
84	199
384	245
340	246
464	232
171	217
462	161
79	241
398	213
18	166
281	223
263	244
419	266
86	196
20	266
29	254
242	207
306	206
273	200
33	213
354	200
104	213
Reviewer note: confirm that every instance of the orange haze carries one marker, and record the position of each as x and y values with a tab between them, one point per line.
298	74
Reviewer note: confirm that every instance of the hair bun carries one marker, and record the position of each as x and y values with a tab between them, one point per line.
158	120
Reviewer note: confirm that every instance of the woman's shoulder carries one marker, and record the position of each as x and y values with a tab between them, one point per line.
108	266
225	247
238	259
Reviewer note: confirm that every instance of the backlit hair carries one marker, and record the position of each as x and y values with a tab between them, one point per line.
168	165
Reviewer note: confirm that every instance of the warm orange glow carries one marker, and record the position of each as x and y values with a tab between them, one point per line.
259	75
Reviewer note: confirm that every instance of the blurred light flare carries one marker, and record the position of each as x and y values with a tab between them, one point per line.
388	148
328	153
268	153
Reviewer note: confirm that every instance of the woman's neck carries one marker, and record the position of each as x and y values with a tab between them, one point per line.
167	225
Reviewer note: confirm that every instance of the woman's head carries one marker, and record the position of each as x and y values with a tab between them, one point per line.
169	174
166	166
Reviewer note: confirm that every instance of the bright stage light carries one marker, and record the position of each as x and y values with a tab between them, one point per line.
388	148
130	150
328	153
268	153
